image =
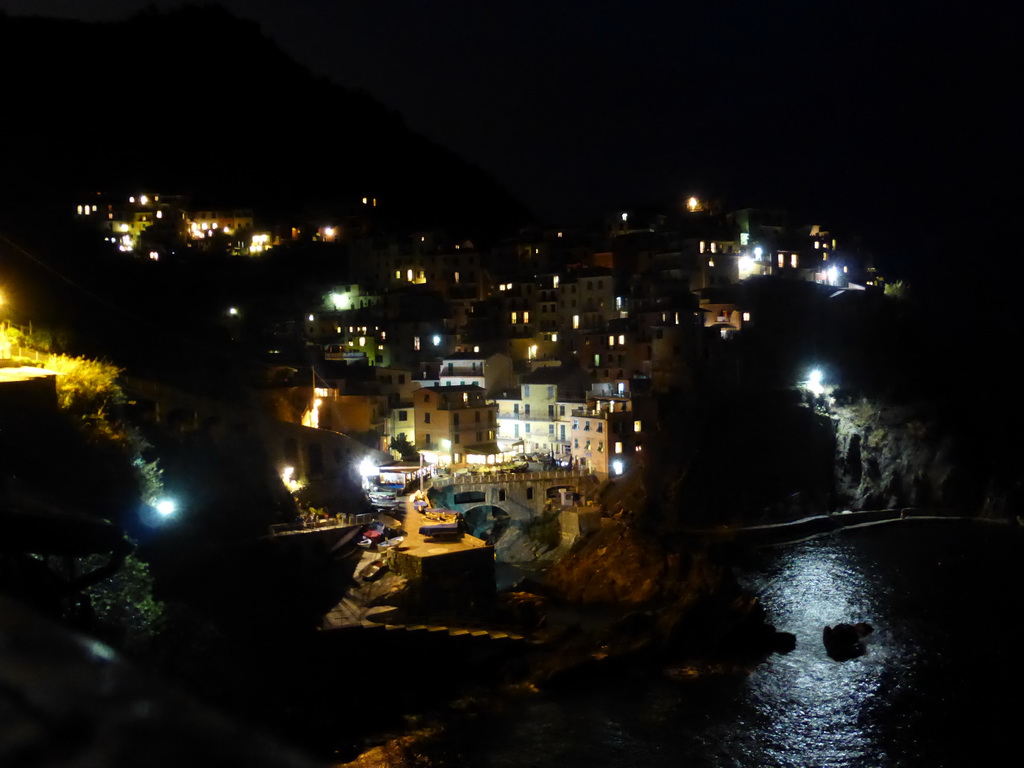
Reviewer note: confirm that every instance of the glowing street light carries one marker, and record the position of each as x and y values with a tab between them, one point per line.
814	384
367	467
166	507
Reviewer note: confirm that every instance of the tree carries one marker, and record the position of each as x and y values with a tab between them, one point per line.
405	449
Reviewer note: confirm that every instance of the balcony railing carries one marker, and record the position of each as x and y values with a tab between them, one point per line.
526	417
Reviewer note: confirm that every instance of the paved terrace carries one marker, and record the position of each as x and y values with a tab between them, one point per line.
352	611
417	545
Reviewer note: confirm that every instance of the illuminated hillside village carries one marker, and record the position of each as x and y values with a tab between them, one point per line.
548	344
428	399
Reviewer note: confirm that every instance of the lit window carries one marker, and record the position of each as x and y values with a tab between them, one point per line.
554	337
636	425
713	248
398	275
611	341
526	317
782	260
622	339
746	317
618	447
465	397
515	317
575	321
408	275
793	260
555	281
817	244
416	343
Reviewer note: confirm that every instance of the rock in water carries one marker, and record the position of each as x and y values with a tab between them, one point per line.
846	641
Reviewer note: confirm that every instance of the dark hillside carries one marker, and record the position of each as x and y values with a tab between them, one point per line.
198	102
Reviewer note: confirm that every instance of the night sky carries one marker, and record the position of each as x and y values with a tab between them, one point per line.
895	120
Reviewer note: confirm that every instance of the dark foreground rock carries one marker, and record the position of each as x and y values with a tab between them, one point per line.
659	605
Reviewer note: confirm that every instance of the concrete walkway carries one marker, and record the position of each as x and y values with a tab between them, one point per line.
353	612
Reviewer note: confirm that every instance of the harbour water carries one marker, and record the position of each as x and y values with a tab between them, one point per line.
940	684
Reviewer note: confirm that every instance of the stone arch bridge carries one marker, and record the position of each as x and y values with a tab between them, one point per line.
523	495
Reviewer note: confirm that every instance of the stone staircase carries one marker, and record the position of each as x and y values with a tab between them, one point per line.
348	616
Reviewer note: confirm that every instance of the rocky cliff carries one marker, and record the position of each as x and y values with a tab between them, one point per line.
923	454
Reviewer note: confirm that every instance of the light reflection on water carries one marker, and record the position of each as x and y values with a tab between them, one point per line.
925	693
816	711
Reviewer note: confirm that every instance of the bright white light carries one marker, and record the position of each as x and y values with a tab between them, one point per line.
746	266
758	252
233	311
437	341
814	382
367	467
617	466
166	507
833	275
625	216
310	318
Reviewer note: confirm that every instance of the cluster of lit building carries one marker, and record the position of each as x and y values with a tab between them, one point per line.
550	343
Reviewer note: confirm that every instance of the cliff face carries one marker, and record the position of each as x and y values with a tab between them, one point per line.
916	455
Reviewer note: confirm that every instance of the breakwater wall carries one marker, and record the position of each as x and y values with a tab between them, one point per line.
793	531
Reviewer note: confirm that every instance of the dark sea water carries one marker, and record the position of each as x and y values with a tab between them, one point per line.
941	684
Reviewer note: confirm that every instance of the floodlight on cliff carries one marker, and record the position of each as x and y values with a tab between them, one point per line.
166	507
814	384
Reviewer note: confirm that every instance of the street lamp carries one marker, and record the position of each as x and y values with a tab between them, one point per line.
166	507
814	382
